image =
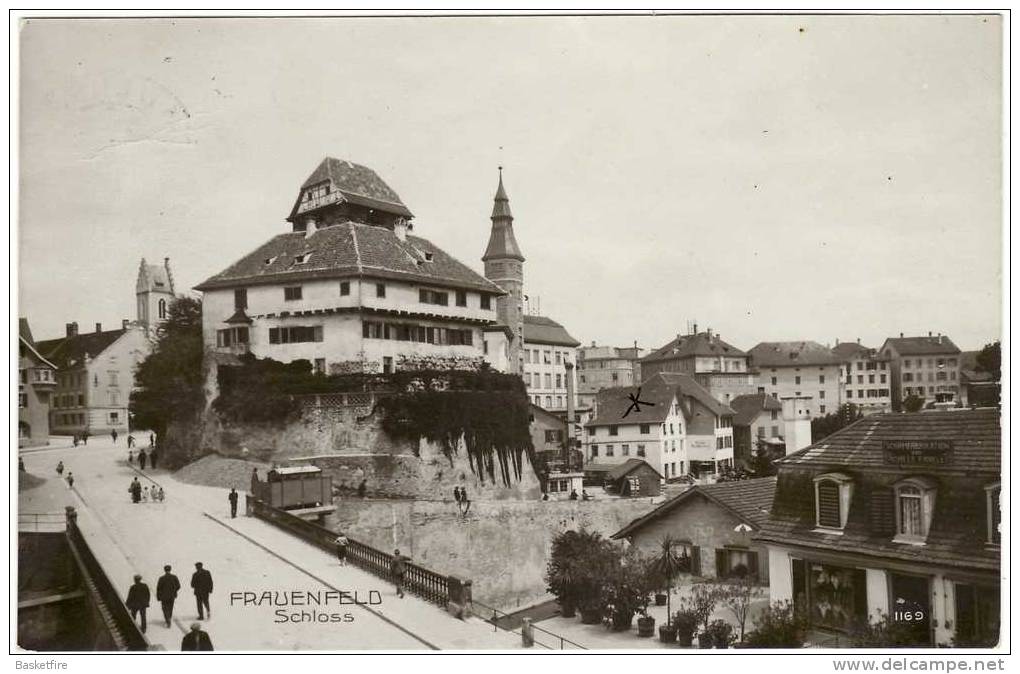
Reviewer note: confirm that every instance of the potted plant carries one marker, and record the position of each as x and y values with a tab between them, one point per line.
568	575
663	571
628	586
667	633
778	626
719	634
685	624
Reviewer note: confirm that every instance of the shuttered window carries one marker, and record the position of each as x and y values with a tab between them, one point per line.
881	512
828	505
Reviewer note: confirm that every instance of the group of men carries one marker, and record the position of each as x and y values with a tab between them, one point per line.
151	457
167	588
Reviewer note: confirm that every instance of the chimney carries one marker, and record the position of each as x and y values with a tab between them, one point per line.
99	327
124	323
635	343
570	413
72	329
400	229
593	343
695	329
901	335
709	333
929	333
858	340
310	226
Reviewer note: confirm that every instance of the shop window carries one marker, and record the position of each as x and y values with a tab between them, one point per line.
832	500
977	616
994	513
915	503
835	596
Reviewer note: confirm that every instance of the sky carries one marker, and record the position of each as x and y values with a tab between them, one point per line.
770	177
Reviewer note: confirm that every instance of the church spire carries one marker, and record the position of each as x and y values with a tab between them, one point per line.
502	243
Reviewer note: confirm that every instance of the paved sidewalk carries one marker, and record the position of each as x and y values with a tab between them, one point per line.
243	555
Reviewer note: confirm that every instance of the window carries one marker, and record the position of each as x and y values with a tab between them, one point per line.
625	450
736	563
559	358
871	379
761	431
559	401
113	377
908	376
614	430
559	381
292	293
232	336
461	298
906	363
994	513
426	296
774	414
796	380
821	395
910	522
832	500
162	308
22	400
644	429
773	381
486	301
320	366
302	258
553	436
775	431
297	333
594	451
761	389
548	401
380	290
114	417
615	377
527	357
95	380
977	614
546	358
835	597
548	380
609	450
821	409
345	288
640	450
240	299
821	379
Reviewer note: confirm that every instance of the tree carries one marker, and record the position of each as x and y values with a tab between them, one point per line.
913	403
847	414
780	625
665	568
170	380
737	596
989	359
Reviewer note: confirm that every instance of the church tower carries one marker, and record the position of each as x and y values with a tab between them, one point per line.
155	291
504	266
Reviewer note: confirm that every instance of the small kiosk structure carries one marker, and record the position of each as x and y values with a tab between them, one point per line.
300	490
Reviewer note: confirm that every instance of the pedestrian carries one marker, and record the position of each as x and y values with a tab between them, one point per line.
70	480
135	489
85	438
196	640
545	496
21	464
152	439
465	502
254	482
113	435
131	457
138	600
130	441
60	467
152	459
201	583
232	497
573	494
75	440
398	569
362	488
160	495
456	495
145	494
341	549
167	588
141	459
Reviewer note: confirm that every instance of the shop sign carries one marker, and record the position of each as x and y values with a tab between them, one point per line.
918	452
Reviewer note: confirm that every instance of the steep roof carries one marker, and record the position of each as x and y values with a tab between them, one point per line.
700	344
356	183
792	354
921	346
849	350
959	523
748	406
975	436
70	351
686	385
502	242
748	500
155	277
544	330
349	250
612	403
25	338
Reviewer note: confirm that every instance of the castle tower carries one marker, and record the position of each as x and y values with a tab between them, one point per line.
504	266
154	291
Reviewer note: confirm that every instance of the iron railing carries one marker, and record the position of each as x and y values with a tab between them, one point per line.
427	584
42	522
125	632
498	617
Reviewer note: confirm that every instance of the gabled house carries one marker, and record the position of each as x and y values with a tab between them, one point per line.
721	368
924	367
896	512
804	369
37	378
713	525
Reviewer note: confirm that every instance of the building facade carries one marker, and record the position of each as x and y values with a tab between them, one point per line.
758	423
866	377
547	349
801	370
897	516
721	368
925	367
600	367
349	288
36	381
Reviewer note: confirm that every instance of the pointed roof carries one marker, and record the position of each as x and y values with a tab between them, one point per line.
502	243
354	183
155	277
25	337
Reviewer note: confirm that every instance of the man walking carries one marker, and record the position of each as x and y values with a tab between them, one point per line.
113	435
232	497
141	459
152	439
85	437
135	490
166	593
398	569
131	441
70	480
60	467
341	549
138	600
152	459
201	583
196	640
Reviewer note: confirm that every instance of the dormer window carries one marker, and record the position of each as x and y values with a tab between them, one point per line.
994	507
302	258
832	501
915	503
270	260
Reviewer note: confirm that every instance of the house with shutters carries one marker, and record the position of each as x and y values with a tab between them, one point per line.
713	525
923	367
351	288
895	515
805	370
719	367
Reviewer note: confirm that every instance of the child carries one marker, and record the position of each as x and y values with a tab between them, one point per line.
145	494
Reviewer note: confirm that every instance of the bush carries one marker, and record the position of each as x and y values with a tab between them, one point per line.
887	634
579	564
628	588
719	633
685	622
778	626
